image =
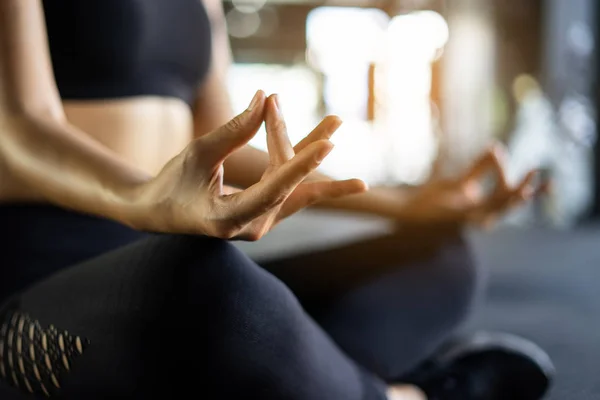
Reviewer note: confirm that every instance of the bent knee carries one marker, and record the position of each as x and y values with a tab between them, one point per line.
449	281
226	283
438	292
456	275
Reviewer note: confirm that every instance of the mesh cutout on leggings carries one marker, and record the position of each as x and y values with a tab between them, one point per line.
35	359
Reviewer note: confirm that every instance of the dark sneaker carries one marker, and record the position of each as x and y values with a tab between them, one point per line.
485	366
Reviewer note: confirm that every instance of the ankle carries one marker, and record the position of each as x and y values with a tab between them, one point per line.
405	392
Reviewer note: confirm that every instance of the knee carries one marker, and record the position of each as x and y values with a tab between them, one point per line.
207	263
240	312
212	258
440	269
436	293
456	277
222	283
445	279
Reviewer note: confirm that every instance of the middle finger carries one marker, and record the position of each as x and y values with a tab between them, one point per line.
278	143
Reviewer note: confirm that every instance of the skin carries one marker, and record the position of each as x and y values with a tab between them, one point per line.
43	152
154	164
405	392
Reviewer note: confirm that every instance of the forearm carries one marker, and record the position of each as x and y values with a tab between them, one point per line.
388	202
67	167
37	145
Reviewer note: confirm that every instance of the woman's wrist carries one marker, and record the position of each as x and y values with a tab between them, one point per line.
128	204
382	201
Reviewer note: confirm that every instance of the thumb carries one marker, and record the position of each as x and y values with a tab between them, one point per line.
220	143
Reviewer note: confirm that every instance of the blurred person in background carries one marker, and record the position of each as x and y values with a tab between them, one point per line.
123	177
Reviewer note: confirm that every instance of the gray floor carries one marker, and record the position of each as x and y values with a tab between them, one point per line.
544	285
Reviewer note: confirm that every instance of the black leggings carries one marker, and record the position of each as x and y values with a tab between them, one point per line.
169	315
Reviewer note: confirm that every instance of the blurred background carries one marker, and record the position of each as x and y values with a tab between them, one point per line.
422	80
423	86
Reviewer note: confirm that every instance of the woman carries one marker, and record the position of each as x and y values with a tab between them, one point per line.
115	123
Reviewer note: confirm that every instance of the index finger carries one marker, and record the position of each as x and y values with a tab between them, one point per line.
525	189
491	161
323	131
274	189
220	143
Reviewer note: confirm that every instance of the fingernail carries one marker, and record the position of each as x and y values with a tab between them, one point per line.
361	185
325	151
337	121
277	103
528	193
254	101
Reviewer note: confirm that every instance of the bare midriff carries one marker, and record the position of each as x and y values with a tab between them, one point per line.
146	131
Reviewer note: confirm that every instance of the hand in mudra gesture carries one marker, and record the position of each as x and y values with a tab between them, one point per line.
188	195
465	200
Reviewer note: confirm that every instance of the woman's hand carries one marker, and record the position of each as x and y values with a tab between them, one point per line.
188	195
464	200
281	152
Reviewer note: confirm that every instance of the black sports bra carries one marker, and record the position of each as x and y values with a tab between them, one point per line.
106	49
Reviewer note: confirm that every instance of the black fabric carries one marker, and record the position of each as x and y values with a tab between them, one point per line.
389	301
37	240
172	313
33	358
106	49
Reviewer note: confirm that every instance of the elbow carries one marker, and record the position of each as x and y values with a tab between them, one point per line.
14	126
31	109
18	131
38	112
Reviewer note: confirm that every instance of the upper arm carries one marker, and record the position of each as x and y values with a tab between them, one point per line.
221	51
213	106
26	78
